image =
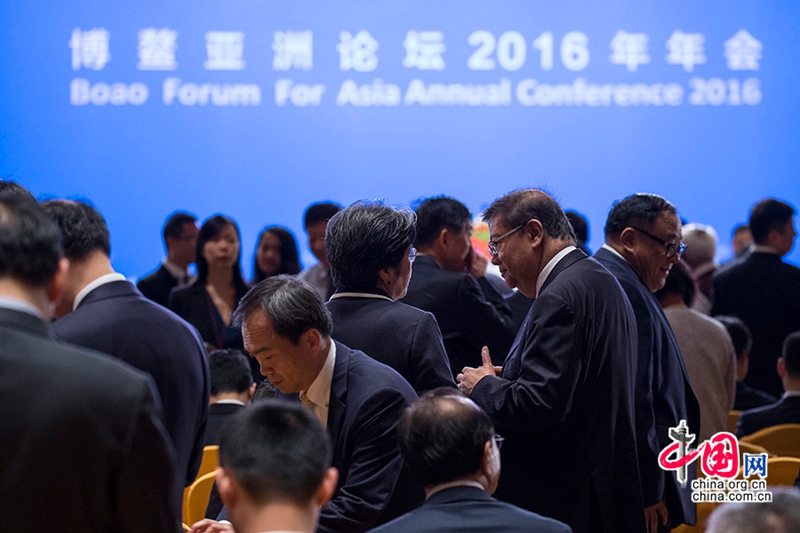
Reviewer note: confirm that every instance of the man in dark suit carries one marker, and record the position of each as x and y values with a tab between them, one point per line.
103	311
787	409
563	399
763	291
369	249
232	388
643	241
82	445
449	444
287	329
180	240
449	280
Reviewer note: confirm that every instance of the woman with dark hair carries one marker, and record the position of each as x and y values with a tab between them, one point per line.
369	249
276	253
208	302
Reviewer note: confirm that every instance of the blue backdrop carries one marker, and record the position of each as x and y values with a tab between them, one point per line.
255	109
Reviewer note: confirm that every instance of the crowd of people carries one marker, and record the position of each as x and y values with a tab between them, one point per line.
388	386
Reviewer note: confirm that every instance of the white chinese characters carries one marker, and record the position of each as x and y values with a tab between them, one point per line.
686	49
90	49
157	49
225	50
357	52
293	49
629	49
743	51
424	50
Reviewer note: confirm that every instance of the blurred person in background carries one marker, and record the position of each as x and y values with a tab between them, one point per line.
276	253
180	240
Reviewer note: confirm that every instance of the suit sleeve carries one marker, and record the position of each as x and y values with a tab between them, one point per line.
144	498
431	367
486	317
374	468
540	395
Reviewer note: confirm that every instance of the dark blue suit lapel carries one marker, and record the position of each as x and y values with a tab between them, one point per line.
336	404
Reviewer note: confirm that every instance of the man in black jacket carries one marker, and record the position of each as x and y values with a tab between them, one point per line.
180	239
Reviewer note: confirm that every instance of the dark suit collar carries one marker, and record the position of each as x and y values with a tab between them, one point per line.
365	290
20	320
336	405
112	289
567	261
425	261
458	493
611	257
224	408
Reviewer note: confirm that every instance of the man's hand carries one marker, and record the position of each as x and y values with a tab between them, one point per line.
469	377
211	526
655	515
476	263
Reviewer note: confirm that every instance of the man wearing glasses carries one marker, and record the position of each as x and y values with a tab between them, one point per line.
643	242
564	398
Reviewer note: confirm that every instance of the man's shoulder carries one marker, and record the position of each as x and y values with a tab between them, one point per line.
368	377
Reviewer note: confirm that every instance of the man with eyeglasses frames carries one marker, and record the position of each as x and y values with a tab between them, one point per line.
643	242
563	398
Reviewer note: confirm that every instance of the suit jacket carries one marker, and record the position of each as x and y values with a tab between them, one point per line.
366	401
785	411
117	320
193	303
218	415
565	403
464	508
764	292
398	335
82	445
749	398
470	313
157	285
664	394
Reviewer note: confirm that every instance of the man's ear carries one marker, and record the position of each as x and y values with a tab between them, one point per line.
327	487
781	367
313	338
534	231
251	392
56	284
628	239
227	487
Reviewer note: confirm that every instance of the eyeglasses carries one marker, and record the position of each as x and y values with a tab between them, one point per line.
672	248
412	254
498	441
493	244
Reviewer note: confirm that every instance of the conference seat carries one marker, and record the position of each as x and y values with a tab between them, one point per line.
703	511
733	419
208	464
782	471
782	440
197	498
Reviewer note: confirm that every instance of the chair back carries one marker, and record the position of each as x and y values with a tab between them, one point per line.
782	471
703	511
782	440
208	464
733	419
197	498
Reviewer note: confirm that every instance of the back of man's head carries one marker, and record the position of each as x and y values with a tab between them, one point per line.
83	228
436	214
276	452
442	437
579	225
791	355
768	215
637	210
173	228
781	515
701	244
678	283
13	191
518	207
739	332
30	244
230	372
291	305
319	212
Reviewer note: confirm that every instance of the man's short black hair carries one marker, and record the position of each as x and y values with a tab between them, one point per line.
678	282
739	228
292	306
579	225
30	243
438	213
442	437
767	215
637	210
277	451
83	228
173	228
13	191
319	212
518	207
791	354
230	372
364	239
739	332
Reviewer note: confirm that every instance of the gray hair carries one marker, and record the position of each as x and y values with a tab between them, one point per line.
781	515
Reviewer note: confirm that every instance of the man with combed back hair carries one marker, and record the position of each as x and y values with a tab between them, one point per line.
563	398
82	444
273	473
448	443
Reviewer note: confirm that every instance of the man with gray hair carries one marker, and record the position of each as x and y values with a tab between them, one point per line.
701	247
358	400
563	398
781	515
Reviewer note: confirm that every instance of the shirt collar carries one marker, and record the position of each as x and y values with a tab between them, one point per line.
320	390
550	266
230	401
175	271
459	483
760	248
613	251
789	393
102	280
24	306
